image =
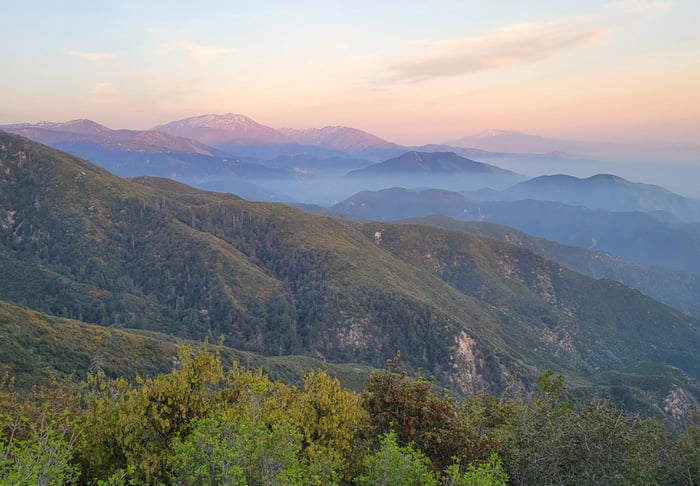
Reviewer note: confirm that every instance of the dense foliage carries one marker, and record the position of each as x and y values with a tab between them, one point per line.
204	423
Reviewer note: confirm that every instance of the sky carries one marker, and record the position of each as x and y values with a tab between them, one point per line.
411	72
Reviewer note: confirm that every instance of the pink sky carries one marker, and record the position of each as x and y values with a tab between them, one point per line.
406	71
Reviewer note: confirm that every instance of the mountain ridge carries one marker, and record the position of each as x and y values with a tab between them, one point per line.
223	130
240	135
430	163
445	170
672	287
40	348
604	191
84	130
347	139
635	236
81	125
159	255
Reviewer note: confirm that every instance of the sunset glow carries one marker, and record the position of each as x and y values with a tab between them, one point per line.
407	71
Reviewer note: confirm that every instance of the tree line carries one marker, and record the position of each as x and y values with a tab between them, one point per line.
206	423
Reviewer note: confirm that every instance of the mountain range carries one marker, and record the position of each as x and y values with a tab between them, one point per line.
303	177
478	314
131	153
259	162
241	135
635	236
603	191
124	140
199	134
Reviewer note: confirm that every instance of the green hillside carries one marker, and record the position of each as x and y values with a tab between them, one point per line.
38	348
559	315
674	288
156	255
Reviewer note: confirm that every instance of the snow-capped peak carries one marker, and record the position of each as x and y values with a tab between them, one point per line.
228	121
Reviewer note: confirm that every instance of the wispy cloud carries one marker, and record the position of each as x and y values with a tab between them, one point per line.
641	6
197	52
94	56
511	45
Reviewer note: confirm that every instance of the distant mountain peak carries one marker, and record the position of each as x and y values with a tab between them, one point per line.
81	125
337	138
492	132
431	163
227	121
608	178
433	157
226	129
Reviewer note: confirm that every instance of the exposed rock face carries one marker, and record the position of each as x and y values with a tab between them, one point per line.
465	375
678	404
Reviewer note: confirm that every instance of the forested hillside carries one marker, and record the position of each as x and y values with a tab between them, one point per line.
672	287
479	315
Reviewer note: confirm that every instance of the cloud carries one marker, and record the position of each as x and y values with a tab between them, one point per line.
511	45
641	6
196	52
94	56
